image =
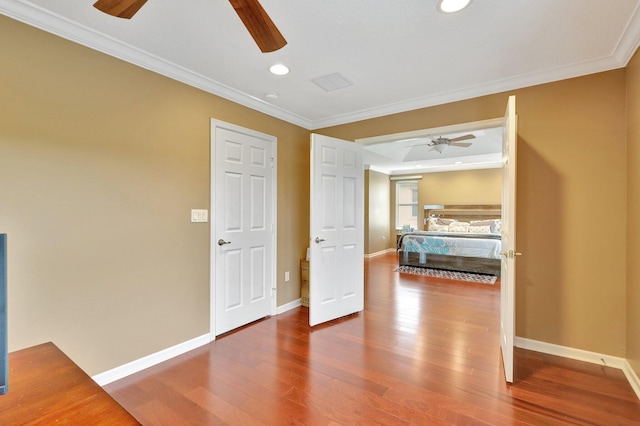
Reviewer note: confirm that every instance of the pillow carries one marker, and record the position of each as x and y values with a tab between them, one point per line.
440	221
486	222
444	221
479	229
494	224
438	228
459	227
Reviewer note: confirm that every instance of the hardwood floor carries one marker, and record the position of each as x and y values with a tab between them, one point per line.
425	351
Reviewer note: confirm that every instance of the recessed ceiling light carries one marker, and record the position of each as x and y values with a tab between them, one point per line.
458	162
452	6
279	69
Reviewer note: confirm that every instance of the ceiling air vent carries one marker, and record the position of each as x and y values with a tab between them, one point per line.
332	82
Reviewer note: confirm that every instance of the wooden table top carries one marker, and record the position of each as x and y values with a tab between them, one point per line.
46	387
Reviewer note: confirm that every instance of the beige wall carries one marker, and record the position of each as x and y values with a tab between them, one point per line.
633	214
100	164
377	208
571	288
462	187
483	186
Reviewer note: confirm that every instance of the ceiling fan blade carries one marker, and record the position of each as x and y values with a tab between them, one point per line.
119	8
260	26
461	144
462	138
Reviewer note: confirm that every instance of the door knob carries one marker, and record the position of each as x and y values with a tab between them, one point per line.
319	240
222	242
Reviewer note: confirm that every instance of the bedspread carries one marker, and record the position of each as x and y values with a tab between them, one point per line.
453	244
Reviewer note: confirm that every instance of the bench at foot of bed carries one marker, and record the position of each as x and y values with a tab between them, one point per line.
452	263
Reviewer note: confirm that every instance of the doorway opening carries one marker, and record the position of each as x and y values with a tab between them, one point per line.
402	150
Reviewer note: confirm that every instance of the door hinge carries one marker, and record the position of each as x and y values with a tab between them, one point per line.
510	254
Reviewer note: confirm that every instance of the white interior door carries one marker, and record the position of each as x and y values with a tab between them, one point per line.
508	273
242	231
336	266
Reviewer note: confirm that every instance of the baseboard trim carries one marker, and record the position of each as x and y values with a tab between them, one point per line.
582	355
138	365
379	253
634	381
166	354
150	360
288	306
572	353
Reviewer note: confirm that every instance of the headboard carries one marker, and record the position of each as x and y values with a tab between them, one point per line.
463	212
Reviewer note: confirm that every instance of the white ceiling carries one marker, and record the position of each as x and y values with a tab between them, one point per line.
398	55
409	153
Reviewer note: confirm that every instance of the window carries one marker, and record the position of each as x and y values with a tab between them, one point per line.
407	203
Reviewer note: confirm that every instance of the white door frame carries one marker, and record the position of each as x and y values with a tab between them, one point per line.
212	221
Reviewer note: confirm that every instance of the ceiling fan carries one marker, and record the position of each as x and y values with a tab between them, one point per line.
251	13
440	143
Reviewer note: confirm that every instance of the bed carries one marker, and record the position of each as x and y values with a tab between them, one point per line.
457	238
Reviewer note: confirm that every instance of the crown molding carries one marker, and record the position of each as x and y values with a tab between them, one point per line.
498	86
43	19
621	55
629	40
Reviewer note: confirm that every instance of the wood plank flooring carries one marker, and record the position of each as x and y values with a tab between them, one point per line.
424	352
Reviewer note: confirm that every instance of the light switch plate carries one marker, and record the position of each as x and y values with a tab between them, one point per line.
199	215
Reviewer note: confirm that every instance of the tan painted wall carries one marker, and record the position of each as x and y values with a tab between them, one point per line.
633	213
483	186
100	164
463	187
571	288
377	200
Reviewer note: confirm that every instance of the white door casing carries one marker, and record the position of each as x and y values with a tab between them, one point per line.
242	226
508	272
336	267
